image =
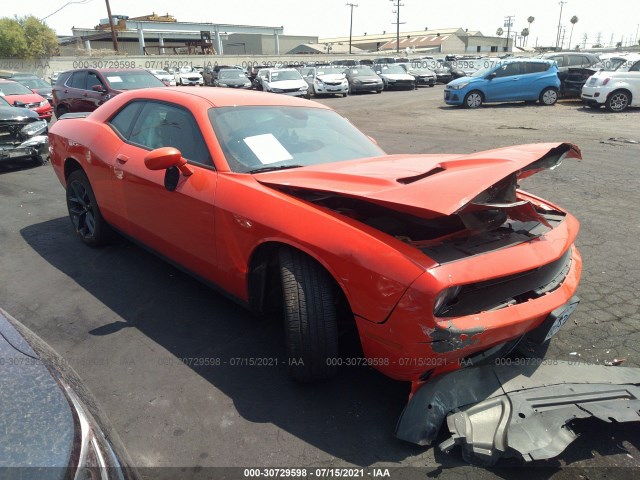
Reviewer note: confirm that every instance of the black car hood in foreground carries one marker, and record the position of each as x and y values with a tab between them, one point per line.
50	422
520	411
17	114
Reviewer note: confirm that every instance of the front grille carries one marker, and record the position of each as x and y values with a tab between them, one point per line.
10	132
289	90
333	84
511	290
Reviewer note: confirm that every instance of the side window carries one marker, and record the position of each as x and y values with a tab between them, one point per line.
122	122
78	80
635	67
559	59
92	79
508	70
577	60
535	67
164	125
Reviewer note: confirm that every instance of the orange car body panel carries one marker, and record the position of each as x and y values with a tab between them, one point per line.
215	220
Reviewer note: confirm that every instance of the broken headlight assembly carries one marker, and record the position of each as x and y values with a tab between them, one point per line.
445	299
34	128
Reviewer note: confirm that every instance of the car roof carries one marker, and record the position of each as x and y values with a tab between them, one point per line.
217	97
107	70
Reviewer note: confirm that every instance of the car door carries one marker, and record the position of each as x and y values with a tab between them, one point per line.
72	92
93	99
506	83
179	223
531	79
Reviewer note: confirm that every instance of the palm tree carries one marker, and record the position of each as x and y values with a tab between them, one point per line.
525	34
499	32
530	20
573	21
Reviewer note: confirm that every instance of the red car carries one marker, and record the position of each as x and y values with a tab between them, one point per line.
284	204
20	96
85	89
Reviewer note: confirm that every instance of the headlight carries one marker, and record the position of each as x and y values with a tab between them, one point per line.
34	128
276	90
223	85
303	89
356	81
43	103
458	86
318	82
445	299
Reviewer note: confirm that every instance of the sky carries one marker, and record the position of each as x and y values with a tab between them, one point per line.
330	18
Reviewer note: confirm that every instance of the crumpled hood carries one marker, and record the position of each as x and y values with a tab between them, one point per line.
331	77
286	84
423	185
397	76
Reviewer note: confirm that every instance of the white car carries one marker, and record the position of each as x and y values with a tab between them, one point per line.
188	76
164	76
326	80
283	80
616	90
394	76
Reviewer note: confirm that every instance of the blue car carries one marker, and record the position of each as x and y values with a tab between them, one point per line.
510	80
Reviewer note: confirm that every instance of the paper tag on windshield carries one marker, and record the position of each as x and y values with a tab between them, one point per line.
267	148
114	79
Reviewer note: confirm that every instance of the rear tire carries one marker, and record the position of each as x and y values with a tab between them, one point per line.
61	110
310	317
618	101
84	211
548	96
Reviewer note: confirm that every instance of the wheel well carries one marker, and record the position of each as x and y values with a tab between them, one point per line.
622	90
70	166
263	281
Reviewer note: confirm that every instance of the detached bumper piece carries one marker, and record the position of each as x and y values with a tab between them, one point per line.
500	411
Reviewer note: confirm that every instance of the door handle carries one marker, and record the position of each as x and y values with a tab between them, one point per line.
120	158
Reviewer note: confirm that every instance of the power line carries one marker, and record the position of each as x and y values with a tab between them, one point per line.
80	2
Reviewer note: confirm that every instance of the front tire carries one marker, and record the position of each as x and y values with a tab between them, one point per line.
549	96
61	110
310	317
84	212
473	99
618	101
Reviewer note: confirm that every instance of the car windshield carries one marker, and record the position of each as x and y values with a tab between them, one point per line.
160	72
419	70
132	80
483	71
187	70
285	75
231	74
330	71
34	82
362	72
257	138
612	64
393	69
13	88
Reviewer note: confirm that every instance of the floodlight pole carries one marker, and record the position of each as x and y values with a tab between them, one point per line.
397	4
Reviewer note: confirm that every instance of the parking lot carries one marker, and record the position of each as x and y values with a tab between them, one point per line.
139	331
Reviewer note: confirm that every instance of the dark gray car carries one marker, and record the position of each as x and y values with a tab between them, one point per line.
232	78
363	79
50	423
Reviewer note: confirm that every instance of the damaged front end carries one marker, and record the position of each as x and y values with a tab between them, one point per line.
518	411
22	136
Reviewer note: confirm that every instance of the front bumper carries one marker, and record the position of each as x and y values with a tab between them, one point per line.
187	81
328	89
429	81
412	344
366	87
36	148
401	84
519	410
454	97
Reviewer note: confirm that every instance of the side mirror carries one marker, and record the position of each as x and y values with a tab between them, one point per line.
167	157
98	88
491	76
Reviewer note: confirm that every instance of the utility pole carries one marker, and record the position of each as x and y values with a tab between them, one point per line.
561	3
113	30
508	22
351	24
397	4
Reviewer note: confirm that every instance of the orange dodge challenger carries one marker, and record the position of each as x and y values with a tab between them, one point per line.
283	204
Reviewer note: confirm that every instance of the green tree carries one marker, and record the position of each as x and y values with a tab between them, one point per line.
26	37
499	32
41	39
525	35
530	20
13	43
